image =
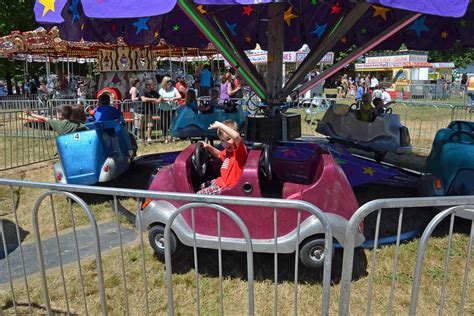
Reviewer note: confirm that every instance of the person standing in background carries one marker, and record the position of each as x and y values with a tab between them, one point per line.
205	77
470	93
224	88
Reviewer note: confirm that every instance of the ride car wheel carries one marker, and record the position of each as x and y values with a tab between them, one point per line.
156	238
312	253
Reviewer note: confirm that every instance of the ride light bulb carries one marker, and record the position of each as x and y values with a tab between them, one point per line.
438	184
60	176
106	168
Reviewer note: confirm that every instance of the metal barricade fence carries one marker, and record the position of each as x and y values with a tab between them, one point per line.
55	103
399	280
149	121
466	212
453	92
19	97
20	104
25	140
131	281
462	113
423	120
314	108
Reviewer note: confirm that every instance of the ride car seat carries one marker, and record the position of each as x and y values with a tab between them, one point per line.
229	106
295	165
340	109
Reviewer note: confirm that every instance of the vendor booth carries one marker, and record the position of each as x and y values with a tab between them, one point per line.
405	74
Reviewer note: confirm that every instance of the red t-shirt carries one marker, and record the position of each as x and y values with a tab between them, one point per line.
183	94
232	165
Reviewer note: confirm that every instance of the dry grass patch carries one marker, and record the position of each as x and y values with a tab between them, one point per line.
236	290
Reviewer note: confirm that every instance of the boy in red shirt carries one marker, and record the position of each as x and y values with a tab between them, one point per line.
233	157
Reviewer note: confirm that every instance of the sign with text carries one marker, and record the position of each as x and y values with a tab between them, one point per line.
288	57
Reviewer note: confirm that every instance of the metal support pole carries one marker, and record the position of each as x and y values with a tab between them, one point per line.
184	61
171	64
244	60
327	44
214	37
410	17
68	77
275	34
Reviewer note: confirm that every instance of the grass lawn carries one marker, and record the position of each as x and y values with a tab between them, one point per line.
235	286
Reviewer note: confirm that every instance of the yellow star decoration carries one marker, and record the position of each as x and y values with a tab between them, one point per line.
444	34
156	34
48	6
199	7
380	11
288	16
82	26
369	171
248	39
343	40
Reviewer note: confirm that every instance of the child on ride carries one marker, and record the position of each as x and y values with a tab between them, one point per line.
70	119
365	110
106	112
378	108
233	157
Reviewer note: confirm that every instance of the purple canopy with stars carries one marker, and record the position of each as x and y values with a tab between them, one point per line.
145	22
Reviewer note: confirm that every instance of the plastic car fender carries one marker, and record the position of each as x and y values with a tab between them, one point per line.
58	170
426	186
159	212
116	164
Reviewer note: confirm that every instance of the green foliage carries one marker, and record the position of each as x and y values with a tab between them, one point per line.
16	15
459	55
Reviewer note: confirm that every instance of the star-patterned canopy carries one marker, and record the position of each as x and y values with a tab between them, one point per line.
146	22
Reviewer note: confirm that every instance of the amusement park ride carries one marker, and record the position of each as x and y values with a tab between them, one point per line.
233	26
276	26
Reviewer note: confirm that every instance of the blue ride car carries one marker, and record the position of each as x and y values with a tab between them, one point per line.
188	123
100	153
449	169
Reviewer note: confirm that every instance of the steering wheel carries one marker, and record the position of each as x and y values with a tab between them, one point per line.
459	133
388	111
265	162
199	159
459	125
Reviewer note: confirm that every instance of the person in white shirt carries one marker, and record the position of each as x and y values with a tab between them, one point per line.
374	82
386	98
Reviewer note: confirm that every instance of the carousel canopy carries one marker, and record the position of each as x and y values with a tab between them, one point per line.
146	22
41	43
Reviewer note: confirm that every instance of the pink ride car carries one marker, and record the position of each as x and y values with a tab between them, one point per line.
290	170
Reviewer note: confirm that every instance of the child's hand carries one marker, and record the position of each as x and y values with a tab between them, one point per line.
214	125
204	144
27	111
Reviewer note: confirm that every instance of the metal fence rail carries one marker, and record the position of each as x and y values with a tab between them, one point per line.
25	140
423	119
395	209
81	292
460	211
453	92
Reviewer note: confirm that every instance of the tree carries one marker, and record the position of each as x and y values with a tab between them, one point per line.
459	55
15	16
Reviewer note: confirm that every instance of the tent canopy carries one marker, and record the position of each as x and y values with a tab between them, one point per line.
306	22
238	25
